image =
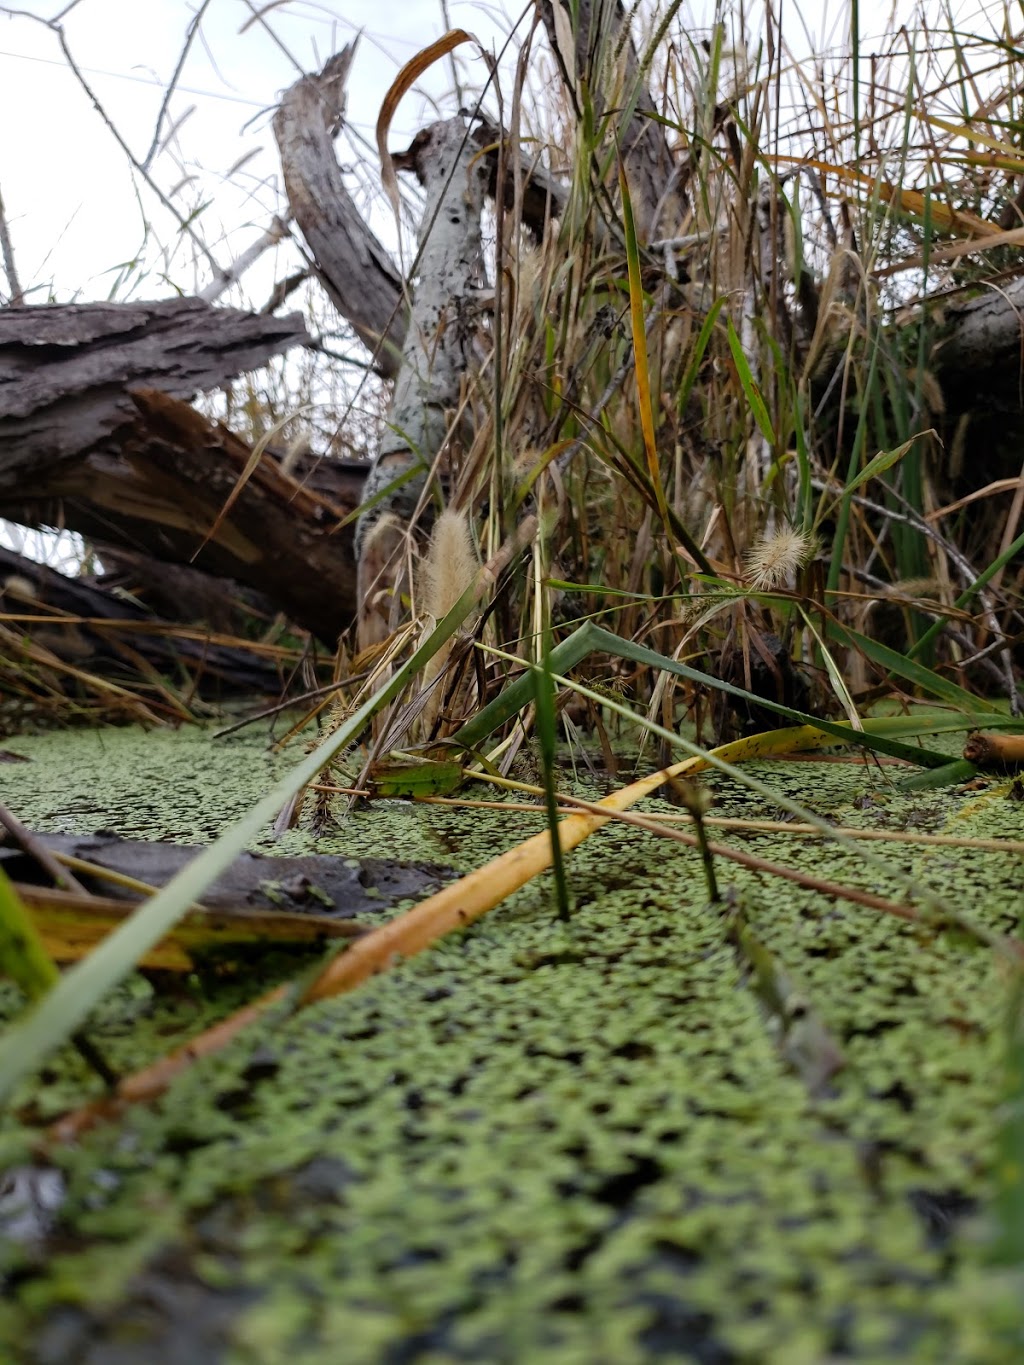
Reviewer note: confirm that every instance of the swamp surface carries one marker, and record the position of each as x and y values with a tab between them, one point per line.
538	1141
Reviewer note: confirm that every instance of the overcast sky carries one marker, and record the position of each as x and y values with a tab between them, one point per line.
69	194
78	214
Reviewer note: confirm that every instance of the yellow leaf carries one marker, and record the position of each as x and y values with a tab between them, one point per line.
410	72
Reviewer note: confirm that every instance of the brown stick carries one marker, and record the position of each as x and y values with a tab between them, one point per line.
988	750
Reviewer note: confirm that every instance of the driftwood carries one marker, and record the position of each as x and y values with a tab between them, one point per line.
66	371
165	487
978	362
314	883
351	264
100	631
355	269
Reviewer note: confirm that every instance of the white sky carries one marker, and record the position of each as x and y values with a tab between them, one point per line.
76	211
68	191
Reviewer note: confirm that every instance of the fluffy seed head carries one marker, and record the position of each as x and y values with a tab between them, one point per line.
775	558
450	565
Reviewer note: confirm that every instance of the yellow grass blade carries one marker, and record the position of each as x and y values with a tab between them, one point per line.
466	900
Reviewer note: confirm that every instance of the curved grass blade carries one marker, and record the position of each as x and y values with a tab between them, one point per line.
54	1018
905	667
877	732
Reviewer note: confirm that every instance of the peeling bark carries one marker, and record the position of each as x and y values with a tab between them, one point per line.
66	370
435	357
163	487
351	264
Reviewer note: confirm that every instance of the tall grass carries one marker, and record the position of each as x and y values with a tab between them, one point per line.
760	362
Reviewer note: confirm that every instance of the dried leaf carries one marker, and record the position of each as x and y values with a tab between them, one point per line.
409	73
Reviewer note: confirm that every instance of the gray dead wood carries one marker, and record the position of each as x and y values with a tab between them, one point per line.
601	35
112	633
979	362
351	264
66	370
317	884
984	333
355	269
436	358
544	197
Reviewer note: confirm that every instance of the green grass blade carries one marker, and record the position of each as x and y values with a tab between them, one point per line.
959	770
546	723
700	346
904	667
626	649
878	732
750	388
53	1019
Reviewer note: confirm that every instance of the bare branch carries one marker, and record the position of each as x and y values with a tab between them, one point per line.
15	292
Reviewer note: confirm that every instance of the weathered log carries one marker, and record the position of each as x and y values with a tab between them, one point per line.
435	362
164	488
544	197
66	371
355	269
977	361
351	264
342	888
984	333
179	592
112	630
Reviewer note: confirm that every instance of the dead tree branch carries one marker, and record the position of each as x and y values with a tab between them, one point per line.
351	264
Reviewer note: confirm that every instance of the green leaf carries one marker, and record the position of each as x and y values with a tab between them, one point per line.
904	667
750	389
885	459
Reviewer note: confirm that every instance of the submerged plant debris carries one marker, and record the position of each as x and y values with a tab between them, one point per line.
544	1141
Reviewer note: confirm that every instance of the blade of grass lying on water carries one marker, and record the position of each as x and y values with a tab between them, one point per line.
54	1018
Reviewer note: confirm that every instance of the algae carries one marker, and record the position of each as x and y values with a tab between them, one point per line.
548	1142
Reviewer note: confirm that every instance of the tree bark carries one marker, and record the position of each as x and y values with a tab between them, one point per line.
436	357
163	487
351	264
984	333
66	371
113	627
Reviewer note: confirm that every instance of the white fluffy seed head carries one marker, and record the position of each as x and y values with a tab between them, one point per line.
450	565
775	559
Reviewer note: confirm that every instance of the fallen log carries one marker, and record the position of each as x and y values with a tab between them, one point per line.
164	489
67	370
100	630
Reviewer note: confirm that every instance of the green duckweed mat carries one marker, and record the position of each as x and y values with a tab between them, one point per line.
541	1142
